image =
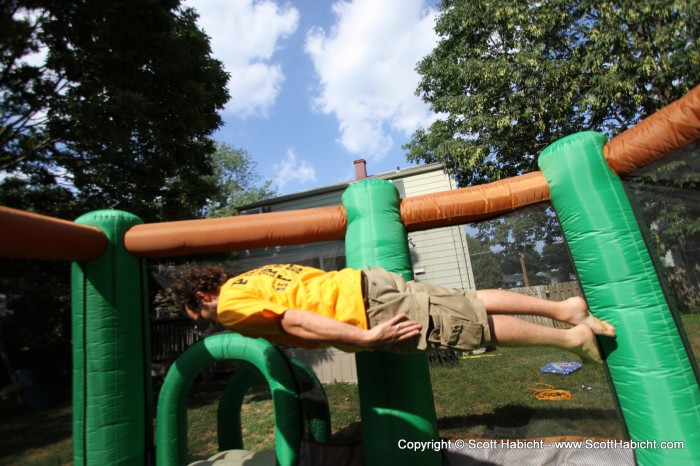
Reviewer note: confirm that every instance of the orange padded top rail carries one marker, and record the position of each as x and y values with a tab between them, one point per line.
473	203
658	135
328	223
234	233
32	236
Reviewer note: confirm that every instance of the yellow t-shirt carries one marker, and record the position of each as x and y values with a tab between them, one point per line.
252	303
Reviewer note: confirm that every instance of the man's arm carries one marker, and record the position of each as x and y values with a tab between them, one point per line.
311	327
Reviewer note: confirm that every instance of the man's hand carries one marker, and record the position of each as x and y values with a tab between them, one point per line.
311	327
387	334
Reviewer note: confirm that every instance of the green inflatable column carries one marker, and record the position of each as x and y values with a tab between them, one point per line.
112	397
649	365
396	397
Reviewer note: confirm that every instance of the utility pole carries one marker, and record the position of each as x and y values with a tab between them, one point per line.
524	267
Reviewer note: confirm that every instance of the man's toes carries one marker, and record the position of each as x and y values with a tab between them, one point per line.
599	327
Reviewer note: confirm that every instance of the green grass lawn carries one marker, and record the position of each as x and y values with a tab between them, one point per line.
35	438
496	398
486	396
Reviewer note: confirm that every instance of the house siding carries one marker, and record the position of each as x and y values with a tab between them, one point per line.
317	200
441	254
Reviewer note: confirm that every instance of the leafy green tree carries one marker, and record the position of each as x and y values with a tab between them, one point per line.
533	232
35	295
238	182
115	101
509	78
666	203
558	260
510	260
487	271
102	104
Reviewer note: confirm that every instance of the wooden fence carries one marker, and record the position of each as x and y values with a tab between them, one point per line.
169	338
553	292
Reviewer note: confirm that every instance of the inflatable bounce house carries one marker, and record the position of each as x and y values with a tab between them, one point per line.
654	375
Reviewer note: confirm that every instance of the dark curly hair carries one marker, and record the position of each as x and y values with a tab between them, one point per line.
193	279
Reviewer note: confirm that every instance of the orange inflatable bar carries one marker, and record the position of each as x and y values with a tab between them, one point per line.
658	135
234	233
25	235
473	203
328	223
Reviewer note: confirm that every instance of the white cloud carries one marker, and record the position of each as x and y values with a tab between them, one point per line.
366	70
245	34
291	169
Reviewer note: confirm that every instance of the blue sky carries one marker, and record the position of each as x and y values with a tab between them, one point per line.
316	85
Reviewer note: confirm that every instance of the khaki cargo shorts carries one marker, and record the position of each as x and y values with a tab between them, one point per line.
450	319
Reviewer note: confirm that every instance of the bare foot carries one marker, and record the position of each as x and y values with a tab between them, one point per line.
599	327
583	343
576	312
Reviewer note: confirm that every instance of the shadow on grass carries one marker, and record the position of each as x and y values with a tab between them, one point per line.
352	433
515	418
23	429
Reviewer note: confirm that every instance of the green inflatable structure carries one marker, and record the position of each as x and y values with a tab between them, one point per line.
648	362
396	398
112	396
650	366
